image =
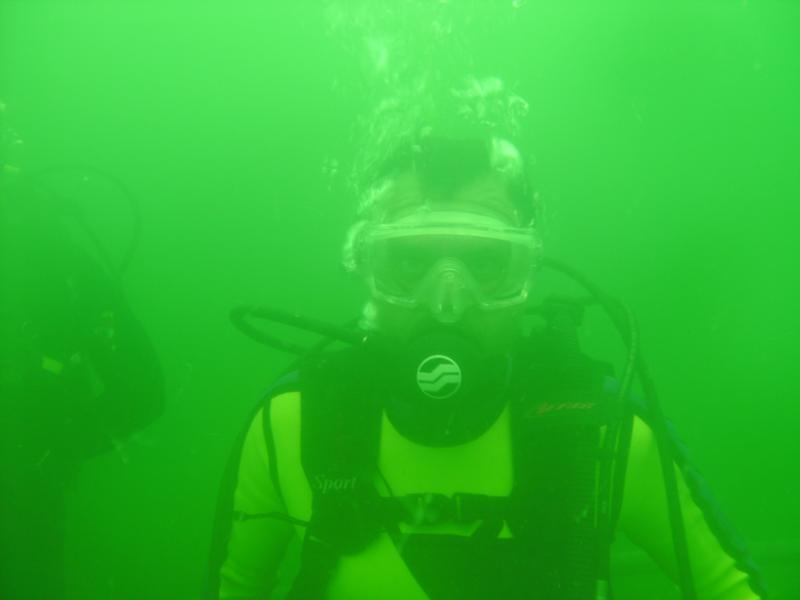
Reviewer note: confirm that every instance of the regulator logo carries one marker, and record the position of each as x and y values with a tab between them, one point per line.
439	376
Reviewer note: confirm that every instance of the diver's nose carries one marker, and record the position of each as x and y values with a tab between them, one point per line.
451	296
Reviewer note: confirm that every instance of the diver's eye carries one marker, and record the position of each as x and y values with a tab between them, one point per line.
489	274
485	267
488	264
411	268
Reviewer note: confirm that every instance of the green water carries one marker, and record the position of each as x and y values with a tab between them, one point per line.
665	148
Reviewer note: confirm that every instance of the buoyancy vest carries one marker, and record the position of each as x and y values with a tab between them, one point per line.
569	447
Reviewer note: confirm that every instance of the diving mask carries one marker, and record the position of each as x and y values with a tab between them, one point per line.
449	261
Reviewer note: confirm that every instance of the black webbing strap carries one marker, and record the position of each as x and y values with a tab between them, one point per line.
318	562
432	509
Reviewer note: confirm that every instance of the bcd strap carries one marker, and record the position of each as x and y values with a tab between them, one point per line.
562	425
340	425
339	446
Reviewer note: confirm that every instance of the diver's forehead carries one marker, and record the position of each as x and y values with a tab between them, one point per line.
487	194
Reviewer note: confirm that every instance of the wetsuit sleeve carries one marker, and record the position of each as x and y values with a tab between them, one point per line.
255	543
720	569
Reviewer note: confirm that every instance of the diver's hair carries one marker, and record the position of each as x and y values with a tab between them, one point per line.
448	134
444	165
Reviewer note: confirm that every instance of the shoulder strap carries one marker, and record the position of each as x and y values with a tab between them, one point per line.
564	426
340	429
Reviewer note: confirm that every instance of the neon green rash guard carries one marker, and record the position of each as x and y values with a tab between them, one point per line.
255	547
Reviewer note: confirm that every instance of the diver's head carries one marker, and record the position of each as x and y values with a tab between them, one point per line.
445	238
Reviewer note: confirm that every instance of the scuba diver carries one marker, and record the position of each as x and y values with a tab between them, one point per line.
78	373
459	444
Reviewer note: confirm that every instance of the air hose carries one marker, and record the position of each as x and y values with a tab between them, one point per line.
242	315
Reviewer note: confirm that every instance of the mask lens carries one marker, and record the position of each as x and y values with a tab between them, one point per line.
488	262
401	265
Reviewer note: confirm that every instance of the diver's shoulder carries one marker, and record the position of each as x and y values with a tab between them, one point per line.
283	406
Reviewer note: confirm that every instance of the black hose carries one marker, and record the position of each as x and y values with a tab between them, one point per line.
118	271
241	315
620	316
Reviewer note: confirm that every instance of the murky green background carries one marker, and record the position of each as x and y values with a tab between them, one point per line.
666	143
